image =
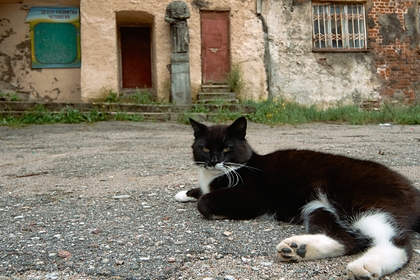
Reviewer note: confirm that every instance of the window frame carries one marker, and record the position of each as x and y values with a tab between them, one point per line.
355	37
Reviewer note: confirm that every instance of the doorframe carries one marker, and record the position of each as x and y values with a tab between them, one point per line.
217	10
142	19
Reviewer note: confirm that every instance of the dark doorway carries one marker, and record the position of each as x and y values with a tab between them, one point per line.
136	60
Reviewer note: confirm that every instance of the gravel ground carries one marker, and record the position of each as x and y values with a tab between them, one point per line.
96	202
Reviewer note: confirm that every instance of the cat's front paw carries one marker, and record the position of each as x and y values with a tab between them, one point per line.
291	251
183	197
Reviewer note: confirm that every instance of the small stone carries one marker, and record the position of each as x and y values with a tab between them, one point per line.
97	231
64	254
119	262
227	233
219	256
245	260
124	196
105	261
171	260
53	276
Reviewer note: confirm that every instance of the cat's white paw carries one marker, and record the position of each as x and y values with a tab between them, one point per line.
291	249
309	247
361	270
183	197
380	260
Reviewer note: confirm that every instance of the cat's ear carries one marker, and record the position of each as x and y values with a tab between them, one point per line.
238	128
199	128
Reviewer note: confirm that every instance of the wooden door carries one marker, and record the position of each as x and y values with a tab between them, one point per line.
215	50
136	60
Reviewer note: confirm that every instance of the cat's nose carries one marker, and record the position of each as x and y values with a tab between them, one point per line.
214	160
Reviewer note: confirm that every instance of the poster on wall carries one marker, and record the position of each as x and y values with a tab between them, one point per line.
55	37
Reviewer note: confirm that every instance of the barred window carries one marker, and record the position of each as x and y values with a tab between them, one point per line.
339	27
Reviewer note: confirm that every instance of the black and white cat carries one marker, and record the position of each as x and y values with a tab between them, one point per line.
347	205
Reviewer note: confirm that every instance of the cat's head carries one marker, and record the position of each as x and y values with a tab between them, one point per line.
221	146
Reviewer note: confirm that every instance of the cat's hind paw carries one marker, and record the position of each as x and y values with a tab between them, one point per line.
290	251
359	270
183	197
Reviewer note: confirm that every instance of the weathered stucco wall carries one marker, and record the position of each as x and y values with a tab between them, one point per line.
272	46
300	75
16	74
100	50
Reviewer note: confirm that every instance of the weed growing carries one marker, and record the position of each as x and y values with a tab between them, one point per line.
39	115
274	111
234	78
9	96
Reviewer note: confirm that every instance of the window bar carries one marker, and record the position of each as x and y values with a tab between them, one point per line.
327	20
362	27
357	25
336	27
359	37
352	26
319	27
345	28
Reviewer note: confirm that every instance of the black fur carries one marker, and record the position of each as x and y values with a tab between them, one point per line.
286	180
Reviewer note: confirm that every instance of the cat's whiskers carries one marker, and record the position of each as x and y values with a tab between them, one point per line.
233	176
200	163
239	165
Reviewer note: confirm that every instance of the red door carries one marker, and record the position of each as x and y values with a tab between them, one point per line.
215	51
135	57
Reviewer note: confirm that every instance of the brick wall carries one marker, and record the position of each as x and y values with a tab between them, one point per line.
394	39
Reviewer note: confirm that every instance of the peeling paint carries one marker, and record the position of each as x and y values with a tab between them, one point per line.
6	70
199	4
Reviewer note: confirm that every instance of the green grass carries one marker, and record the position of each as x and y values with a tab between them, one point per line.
139	97
9	96
279	112
271	112
39	115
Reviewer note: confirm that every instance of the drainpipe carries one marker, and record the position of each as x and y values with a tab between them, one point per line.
267	56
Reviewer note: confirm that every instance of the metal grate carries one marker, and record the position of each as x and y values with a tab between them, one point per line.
339	26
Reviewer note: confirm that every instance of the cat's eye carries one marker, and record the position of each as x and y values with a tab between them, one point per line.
206	150
227	149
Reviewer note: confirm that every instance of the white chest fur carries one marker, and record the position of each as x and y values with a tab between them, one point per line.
206	176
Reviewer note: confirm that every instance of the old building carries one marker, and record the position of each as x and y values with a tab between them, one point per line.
313	52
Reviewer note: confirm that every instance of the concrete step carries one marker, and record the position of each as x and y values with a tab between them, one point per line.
147	116
215	95
156	112
216	101
215	88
